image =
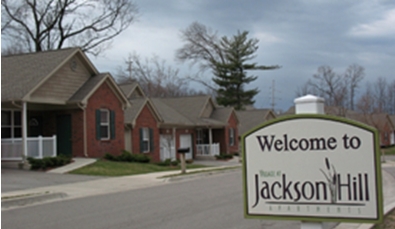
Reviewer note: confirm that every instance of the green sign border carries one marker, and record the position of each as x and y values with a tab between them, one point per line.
379	186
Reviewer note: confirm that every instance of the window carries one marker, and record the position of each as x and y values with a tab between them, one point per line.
105	124
11	124
146	140
231	136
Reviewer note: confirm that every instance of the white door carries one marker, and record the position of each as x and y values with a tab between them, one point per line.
167	149
186	142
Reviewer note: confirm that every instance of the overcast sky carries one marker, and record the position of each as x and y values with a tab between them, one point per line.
299	35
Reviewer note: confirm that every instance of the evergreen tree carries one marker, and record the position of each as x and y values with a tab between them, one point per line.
230	75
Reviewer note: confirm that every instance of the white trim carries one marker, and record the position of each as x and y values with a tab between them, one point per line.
105	124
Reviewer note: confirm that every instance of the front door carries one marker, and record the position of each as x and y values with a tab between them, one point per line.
167	150
63	133
186	142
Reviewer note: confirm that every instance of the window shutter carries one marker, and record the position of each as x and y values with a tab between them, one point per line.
98	137
112	124
229	136
151	140
141	140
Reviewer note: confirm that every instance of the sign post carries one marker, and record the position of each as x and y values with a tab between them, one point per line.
312	168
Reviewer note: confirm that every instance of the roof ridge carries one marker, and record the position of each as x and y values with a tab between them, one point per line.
40	52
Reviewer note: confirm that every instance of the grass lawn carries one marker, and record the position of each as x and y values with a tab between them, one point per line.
389	151
113	168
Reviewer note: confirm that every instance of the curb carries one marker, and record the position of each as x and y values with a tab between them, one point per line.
201	173
30	199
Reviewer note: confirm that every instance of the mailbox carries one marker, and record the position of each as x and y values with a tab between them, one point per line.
183	150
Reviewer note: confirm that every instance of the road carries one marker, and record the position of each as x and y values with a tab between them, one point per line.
209	202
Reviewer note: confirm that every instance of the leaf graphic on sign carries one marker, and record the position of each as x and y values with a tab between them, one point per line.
331	180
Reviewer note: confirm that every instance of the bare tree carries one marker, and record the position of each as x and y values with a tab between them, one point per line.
379	92
353	76
390	104
201	46
329	85
155	77
54	24
366	103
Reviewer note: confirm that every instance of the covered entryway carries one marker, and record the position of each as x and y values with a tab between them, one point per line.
186	142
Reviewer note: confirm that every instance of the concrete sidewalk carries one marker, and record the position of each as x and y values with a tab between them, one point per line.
94	187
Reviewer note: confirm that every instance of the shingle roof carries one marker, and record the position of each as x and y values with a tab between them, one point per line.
21	73
129	88
132	112
169	114
87	88
188	111
190	107
251	118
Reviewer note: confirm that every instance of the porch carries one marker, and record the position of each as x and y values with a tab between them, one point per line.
36	147
207	149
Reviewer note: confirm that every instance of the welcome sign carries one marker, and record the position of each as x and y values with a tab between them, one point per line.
312	167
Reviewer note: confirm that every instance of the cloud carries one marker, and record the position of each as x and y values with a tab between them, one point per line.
383	27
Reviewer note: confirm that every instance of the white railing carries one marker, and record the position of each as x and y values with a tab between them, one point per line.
204	149
37	147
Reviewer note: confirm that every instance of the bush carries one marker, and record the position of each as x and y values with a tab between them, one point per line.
125	156
48	162
109	157
224	156
141	158
168	162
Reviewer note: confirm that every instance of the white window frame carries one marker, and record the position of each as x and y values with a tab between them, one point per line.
105	124
12	125
146	138
232	137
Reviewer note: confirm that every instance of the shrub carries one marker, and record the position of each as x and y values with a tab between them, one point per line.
125	156
141	158
48	162
168	162
109	157
224	156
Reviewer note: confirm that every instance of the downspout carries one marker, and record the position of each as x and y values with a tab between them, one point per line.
85	138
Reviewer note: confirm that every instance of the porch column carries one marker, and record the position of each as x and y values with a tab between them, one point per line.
174	141
24	131
210	140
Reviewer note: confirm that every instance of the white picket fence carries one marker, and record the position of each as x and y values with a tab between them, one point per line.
204	149
37	147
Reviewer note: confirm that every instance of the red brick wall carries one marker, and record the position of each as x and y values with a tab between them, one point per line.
104	98
146	119
233	124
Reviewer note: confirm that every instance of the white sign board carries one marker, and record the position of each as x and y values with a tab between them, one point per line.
312	167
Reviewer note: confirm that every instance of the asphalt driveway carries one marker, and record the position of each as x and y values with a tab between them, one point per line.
16	179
